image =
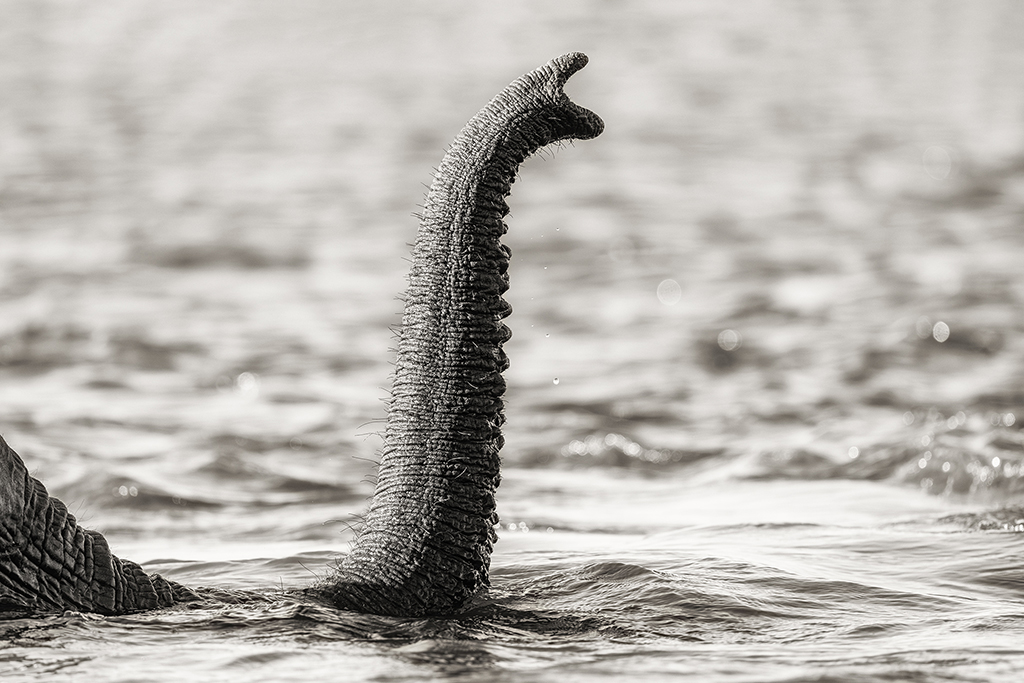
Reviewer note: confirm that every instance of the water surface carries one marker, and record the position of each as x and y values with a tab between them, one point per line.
765	402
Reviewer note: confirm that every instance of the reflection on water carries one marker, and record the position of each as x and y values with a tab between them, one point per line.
765	397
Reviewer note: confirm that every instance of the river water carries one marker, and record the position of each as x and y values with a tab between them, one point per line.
767	383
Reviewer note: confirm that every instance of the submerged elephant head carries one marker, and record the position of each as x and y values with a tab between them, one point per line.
426	545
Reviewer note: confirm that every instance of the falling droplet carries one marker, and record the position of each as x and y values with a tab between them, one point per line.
669	292
554	381
729	340
937	162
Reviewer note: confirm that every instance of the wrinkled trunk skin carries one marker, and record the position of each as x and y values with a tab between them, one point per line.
49	563
426	545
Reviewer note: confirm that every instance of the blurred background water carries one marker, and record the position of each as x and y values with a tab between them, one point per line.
767	375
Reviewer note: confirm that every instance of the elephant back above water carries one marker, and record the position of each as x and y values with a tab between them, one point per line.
426	544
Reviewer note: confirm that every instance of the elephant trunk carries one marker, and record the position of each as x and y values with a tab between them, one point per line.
426	543
48	562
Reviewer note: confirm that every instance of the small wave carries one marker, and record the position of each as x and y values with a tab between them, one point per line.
38	346
43	346
700	599
979	455
116	491
619	451
263	482
220	254
1010	518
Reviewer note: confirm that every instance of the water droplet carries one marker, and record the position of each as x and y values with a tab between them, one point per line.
854	452
122	490
937	162
922	463
1009	419
546	335
923	327
132	491
940	331
908	418
248	383
554	381
729	340
669	292
946	466
996	461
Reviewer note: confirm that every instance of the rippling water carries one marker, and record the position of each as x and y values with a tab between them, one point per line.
765	402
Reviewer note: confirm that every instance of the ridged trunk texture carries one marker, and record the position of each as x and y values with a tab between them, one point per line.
49	563
425	547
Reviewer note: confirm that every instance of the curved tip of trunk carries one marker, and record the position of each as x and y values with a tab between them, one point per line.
588	125
567	65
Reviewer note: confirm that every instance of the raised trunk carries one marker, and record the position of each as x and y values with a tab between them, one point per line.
49	563
425	547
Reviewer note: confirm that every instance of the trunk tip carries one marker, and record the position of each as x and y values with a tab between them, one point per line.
568	64
588	125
